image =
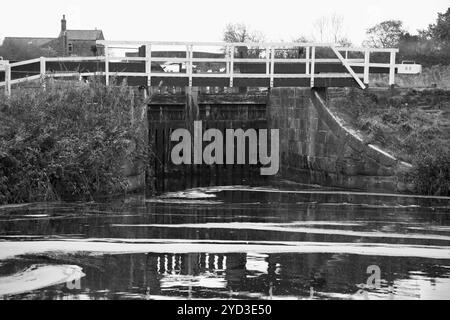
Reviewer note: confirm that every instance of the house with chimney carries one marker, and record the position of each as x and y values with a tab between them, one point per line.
78	42
68	43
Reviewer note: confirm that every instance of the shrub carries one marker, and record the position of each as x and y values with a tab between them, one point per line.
431	172
68	141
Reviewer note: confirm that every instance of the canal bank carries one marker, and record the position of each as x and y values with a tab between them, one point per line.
315	147
411	124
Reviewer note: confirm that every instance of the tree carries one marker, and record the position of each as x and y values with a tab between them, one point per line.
344	42
430	46
385	34
301	39
336	25
329	29
440	31
320	26
239	32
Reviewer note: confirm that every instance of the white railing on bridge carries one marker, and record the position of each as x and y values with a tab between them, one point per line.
266	54
6	67
230	60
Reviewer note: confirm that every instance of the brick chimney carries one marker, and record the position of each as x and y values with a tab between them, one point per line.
63	36
63	23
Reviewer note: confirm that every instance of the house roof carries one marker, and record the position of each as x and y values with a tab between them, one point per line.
85	34
27	41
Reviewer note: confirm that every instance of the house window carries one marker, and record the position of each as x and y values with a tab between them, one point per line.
70	47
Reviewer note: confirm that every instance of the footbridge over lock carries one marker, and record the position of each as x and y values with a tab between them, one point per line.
220	64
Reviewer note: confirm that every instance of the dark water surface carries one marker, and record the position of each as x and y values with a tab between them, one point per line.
229	242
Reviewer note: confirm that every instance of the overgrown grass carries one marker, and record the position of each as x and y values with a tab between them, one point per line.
412	125
431	171
68	141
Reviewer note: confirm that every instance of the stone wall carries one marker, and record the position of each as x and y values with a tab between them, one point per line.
316	148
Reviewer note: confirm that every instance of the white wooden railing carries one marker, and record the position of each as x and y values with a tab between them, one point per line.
229	60
229	48
6	67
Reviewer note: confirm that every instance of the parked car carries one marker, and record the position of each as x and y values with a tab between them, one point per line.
173	67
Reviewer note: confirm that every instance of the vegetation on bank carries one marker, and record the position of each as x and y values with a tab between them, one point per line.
429	47
68	141
412	125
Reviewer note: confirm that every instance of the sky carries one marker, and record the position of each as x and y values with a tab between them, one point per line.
203	20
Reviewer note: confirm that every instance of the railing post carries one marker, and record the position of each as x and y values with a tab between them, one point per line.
148	64
189	63
231	65
392	69
366	66
313	65
43	67
227	57
107	65
7	79
307	60
272	66
267	60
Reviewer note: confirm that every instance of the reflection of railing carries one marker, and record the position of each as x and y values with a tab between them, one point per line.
309	67
175	263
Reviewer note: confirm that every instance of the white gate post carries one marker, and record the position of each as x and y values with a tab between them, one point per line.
227	57
107	65
366	66
231	65
272	66
307	60
190	63
7	79
43	67
148	64
313	65
392	69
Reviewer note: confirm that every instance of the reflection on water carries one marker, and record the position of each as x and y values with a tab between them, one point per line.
288	242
